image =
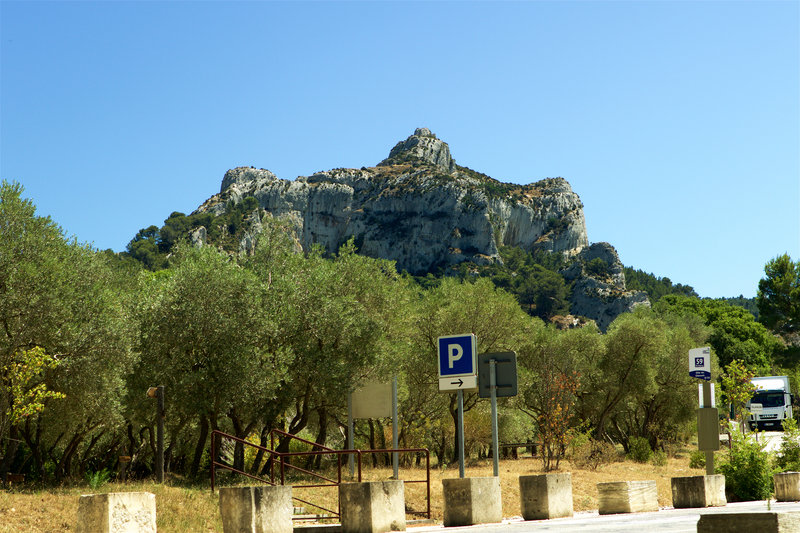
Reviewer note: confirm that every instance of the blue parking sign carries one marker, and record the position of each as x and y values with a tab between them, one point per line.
457	355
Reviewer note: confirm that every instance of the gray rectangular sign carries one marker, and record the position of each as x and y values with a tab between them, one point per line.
505	374
372	400
707	429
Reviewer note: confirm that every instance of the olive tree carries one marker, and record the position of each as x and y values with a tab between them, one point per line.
206	336
62	301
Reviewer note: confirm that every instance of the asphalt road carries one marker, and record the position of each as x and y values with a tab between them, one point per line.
664	521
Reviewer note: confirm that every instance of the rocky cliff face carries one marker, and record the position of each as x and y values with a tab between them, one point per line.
420	209
599	289
416	207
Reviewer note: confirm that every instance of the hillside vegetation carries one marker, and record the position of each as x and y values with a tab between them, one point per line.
273	338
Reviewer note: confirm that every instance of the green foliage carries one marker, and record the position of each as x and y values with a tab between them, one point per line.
543	293
659	458
557	224
451	308
737	389
655	287
97	479
740	301
549	382
23	376
637	386
470	201
59	301
735	333
532	278
278	338
598	268
779	295
593	453
778	302
206	331
152	245
697	459
144	248
639	450
788	459
748	469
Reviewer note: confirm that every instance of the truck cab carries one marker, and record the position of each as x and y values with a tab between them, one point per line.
771	403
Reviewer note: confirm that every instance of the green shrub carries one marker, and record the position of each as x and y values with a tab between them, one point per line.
789	453
748	471
97	479
594	453
598	268
659	458
639	450
697	459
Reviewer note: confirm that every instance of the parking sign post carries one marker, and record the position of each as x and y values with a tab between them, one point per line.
458	371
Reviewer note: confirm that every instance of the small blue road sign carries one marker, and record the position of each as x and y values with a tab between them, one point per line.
457	355
458	362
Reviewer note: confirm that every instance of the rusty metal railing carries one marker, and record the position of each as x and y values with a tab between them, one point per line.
281	458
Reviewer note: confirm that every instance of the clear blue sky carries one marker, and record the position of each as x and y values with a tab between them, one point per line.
677	123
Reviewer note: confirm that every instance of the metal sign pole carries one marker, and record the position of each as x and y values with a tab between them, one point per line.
495	444
709	453
160	435
350	458
460	433
395	436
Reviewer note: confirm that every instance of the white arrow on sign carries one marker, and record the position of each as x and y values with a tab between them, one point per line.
458	382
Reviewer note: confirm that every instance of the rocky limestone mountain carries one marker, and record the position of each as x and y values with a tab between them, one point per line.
417	207
599	289
420	209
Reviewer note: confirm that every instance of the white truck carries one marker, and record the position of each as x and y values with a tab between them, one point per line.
771	403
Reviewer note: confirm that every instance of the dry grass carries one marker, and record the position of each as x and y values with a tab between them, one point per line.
182	510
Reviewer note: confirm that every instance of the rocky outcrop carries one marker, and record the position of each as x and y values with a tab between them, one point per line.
423	145
416	207
599	289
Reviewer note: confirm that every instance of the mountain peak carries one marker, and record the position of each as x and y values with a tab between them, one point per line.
422	145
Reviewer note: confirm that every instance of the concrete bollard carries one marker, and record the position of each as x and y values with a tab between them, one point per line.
117	512
545	496
698	491
373	507
787	486
769	522
472	500
262	509
627	497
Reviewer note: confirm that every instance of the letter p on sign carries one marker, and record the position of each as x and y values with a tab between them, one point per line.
454	353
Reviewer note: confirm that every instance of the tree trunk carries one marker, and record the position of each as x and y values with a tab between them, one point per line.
200	447
87	453
372	445
11	452
64	466
262	441
238	448
381	441
315	461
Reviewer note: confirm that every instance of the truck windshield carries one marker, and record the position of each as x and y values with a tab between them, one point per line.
768	399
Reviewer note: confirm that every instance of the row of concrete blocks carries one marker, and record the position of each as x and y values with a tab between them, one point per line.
377	507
